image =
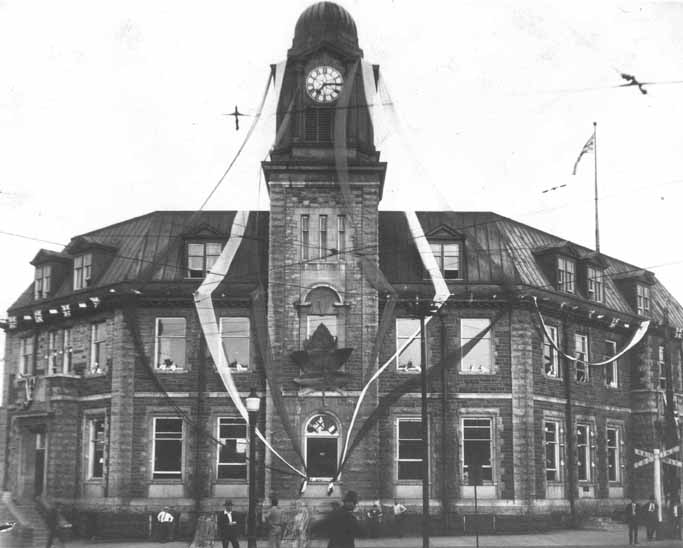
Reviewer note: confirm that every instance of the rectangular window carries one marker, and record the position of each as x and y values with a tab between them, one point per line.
661	367
98	339
168	448
235	336
566	274
26	356
341	234
411	358
581	352
551	359
96	442
82	271
52	353
67	365
477	448
170	343
447	256
42	283
409	450
315	320
612	368
583	452
595	285
201	256
322	240
305	238
551	431
613	454
479	359
643	299
232	451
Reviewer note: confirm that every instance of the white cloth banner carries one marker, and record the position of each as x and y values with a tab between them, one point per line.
637	336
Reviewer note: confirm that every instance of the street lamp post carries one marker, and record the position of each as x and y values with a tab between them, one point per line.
253	403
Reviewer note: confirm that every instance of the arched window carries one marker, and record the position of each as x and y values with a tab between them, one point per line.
322	446
322	309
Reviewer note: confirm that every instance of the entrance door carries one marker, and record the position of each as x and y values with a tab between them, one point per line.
39	465
322	457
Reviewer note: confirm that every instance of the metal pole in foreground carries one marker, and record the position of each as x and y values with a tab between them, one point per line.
425	440
253	403
476	514
658	484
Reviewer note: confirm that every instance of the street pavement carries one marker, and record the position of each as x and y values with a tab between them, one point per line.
565	538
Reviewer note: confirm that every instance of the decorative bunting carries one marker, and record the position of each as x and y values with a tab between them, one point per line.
637	336
38	316
66	310
12	322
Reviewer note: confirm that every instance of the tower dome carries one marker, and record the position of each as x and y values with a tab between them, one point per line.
324	22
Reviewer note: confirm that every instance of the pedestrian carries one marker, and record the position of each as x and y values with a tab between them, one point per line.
165	520
631	515
300	525
375	518
676	511
651	518
228	526
274	521
399	516
341	525
56	525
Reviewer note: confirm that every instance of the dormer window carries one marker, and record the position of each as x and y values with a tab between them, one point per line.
594	284
447	255
643	299
82	271
42	285
201	256
566	274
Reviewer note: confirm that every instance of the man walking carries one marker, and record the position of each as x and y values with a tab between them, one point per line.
274	521
55	525
227	526
631	515
651	518
165	520
342	526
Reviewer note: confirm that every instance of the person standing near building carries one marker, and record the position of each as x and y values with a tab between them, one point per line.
375	518
228	528
651	518
300	526
165	520
399	516
341	525
631	515
676	518
274	521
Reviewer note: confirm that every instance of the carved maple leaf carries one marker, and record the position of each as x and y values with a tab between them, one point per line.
320	361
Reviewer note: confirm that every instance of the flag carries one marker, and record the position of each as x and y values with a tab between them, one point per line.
588	147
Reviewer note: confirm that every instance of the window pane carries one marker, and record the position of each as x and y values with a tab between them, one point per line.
167	455
232	431
410	430
233	471
171	327
213	248
321	457
169	426
195	250
410	449
478	359
410	470
171	352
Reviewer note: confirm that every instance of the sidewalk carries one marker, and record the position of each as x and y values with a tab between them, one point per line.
557	538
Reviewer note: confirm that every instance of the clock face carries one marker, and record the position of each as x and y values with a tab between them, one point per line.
323	84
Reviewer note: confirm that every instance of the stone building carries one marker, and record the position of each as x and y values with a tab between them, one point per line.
114	405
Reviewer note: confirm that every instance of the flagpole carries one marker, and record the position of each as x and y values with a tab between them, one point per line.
595	158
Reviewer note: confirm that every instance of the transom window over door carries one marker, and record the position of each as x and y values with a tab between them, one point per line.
322	446
201	256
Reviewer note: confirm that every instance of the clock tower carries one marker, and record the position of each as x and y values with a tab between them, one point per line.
325	182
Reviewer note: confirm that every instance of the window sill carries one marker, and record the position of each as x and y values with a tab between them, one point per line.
553	378
87	375
159	481
480	373
409	371
64	375
231	481
94	481
171	371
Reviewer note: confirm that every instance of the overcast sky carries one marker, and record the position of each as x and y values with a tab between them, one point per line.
111	110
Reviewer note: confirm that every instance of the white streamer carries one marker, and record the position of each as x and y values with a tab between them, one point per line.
640	332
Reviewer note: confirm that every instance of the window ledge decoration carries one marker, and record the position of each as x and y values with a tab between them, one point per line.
320	361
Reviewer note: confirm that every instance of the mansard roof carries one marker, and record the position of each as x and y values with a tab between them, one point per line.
150	252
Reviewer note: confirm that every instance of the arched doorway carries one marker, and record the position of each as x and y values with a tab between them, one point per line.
322	446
